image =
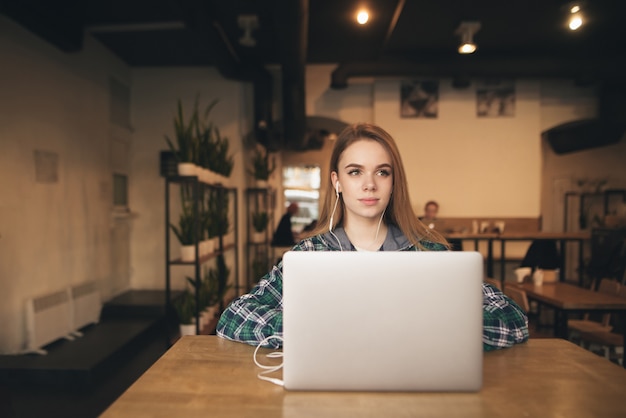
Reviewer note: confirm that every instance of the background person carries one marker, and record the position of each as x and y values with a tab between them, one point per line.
283	236
431	209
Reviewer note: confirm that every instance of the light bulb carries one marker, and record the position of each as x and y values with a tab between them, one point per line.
467	48
575	22
362	17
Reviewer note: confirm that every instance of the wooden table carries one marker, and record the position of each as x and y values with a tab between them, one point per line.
489	237
561	237
569	299
203	376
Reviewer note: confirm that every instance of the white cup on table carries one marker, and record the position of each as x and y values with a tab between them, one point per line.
538	277
522	273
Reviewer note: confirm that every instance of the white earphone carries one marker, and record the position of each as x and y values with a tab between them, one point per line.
332	215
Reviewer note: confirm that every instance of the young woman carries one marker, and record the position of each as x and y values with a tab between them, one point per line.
366	208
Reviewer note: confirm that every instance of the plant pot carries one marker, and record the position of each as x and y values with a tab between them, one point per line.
188	253
229	239
187	329
258	236
187	169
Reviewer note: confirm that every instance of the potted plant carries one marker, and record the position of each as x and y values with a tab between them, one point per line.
222	271
185	147
260	220
206	145
223	162
185	231
210	286
262	166
218	205
185	310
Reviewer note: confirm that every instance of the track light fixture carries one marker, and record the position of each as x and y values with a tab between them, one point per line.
575	16
467	30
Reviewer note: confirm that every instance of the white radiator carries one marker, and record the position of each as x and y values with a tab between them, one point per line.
86	305
48	318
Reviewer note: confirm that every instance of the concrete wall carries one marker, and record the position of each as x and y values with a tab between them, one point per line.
55	230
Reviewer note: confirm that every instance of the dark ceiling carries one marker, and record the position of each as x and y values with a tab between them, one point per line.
526	38
404	38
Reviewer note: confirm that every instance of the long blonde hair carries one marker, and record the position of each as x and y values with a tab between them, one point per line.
399	211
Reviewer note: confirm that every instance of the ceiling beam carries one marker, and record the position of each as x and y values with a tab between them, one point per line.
599	69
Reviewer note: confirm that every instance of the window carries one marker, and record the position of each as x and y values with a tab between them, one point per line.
301	185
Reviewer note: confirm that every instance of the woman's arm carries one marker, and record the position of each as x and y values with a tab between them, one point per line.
504	322
256	315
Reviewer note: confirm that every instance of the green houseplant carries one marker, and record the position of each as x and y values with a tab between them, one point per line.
185	310
216	281
185	231
223	162
260	220
185	145
218	208
262	165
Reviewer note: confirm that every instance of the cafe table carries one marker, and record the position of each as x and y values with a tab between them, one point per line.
206	376
477	237
562	237
567	299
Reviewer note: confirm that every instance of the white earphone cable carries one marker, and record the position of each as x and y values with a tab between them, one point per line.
332	217
269	369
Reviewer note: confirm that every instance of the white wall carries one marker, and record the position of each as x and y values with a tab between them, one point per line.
471	166
466	163
52	234
564	102
154	98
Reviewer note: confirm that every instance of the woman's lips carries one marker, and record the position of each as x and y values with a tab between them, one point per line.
369	201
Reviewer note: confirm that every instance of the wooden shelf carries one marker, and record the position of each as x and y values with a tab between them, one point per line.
203	259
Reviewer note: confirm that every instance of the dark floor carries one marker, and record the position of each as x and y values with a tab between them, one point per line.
86	402
82	378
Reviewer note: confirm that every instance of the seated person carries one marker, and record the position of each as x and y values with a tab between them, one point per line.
542	254
283	236
366	208
431	208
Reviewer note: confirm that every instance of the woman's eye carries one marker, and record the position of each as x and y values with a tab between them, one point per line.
353	172
384	173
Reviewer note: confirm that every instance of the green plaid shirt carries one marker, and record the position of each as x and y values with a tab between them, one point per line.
259	314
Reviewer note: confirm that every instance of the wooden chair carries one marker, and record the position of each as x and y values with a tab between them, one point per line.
495	283
611	343
518	296
576	326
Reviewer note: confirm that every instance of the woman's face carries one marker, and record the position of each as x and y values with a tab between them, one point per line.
365	176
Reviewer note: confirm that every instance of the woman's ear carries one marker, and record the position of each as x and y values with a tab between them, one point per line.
335	181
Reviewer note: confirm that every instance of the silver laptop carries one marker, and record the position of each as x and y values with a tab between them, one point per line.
382	321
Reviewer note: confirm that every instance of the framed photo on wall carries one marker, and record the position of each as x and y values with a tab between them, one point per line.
495	98
419	99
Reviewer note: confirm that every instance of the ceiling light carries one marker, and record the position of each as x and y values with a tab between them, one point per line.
575	18
467	30
362	17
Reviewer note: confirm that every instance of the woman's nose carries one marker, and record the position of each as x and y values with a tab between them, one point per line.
369	183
